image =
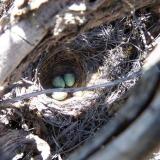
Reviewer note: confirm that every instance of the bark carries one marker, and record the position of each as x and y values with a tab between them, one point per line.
35	19
20	144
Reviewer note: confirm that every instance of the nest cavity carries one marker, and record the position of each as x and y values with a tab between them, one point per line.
58	63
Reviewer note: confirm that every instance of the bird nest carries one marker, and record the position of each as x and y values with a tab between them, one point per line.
86	71
98	56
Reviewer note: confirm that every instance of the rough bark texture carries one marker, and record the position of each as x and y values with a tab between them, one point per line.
21	37
17	144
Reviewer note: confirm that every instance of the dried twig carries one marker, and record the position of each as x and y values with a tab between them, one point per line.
71	90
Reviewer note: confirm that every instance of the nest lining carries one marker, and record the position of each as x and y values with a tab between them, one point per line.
59	63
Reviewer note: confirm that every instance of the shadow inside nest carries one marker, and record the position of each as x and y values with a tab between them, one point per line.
102	54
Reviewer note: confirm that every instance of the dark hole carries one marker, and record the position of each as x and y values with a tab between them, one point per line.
92	1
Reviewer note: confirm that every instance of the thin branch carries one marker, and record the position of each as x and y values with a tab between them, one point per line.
71	90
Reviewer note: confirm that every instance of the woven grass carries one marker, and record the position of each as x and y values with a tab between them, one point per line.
95	57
